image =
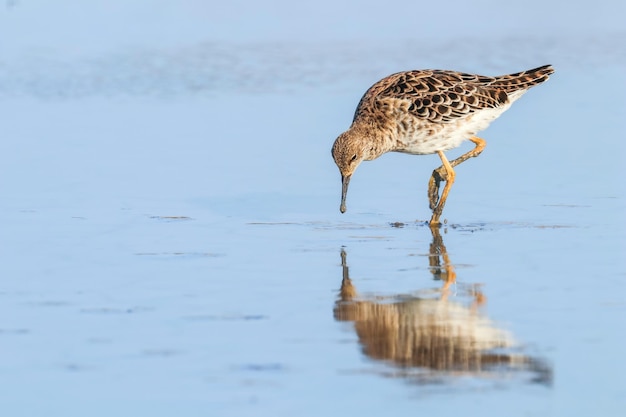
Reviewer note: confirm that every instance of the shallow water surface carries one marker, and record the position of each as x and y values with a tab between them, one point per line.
172	242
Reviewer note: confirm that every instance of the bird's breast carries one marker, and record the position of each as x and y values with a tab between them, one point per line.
421	136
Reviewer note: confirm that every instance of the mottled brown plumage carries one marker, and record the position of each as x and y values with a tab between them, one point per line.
428	111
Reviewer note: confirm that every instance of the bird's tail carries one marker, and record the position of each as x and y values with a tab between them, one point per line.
523	80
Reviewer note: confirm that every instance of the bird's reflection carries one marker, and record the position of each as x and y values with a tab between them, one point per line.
433	336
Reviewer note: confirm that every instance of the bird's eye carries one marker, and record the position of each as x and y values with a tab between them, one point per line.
353	158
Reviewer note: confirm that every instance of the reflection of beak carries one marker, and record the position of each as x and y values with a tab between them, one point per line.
345	180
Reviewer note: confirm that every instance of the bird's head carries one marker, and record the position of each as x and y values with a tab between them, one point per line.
348	152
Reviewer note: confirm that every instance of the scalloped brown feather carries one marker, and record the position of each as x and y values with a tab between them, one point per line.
444	96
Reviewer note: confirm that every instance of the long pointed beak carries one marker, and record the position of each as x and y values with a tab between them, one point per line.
345	180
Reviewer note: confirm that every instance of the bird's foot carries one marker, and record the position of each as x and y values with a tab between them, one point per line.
438	176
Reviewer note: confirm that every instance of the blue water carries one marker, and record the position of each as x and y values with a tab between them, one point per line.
172	239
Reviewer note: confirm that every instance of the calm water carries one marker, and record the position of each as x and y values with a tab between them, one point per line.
172	242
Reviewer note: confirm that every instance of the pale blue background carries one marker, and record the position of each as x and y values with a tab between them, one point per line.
118	114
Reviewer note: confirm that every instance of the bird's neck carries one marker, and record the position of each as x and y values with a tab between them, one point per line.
376	141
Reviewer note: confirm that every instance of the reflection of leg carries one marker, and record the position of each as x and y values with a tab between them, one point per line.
440	174
438	252
434	258
347	292
450	277
479	297
346	309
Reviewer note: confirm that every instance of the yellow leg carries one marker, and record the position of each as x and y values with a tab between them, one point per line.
440	174
450	175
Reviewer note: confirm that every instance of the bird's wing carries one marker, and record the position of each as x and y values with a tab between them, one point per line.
435	95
